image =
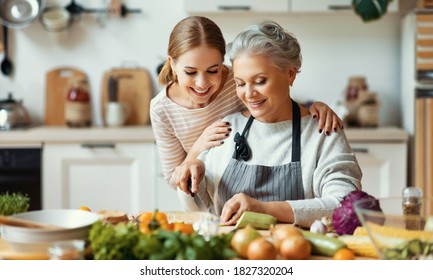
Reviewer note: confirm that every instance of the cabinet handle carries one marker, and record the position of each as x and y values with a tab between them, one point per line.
98	145
340	7
234	8
360	150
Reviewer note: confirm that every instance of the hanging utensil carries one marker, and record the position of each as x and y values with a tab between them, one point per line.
6	65
19	14
76	10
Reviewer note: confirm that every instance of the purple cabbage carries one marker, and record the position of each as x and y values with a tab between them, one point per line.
344	218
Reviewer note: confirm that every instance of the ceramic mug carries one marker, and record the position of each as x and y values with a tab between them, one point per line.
116	113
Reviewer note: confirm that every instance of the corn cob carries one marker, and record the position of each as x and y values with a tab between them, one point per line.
394	232
360	245
256	220
360	231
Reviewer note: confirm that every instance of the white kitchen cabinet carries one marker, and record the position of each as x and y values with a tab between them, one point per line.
119	176
330	6
166	198
382	156
224	6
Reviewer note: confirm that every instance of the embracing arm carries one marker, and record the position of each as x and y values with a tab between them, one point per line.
328	119
212	136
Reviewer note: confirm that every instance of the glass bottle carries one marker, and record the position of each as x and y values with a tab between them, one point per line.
412	202
77	106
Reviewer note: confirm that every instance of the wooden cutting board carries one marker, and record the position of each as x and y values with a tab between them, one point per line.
7	253
134	88
57	81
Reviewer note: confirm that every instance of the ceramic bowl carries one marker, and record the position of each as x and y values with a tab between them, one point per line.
75	224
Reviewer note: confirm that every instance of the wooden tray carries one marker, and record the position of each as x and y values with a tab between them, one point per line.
7	253
57	81
134	88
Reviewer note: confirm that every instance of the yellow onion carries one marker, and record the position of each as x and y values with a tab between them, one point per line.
281	232
262	249
242	239
295	248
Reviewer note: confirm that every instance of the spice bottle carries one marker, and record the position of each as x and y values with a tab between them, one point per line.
77	106
412	202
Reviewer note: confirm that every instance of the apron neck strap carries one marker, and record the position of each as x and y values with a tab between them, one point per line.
242	150
296	132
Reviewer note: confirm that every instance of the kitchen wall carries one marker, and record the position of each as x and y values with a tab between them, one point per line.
334	47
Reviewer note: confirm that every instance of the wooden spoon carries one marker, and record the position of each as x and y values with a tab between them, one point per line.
17	222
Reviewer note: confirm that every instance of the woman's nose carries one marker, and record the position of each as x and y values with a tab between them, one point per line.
201	81
249	91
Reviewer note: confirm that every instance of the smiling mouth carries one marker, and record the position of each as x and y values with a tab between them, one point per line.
201	92
256	104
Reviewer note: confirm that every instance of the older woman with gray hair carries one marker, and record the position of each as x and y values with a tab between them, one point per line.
276	163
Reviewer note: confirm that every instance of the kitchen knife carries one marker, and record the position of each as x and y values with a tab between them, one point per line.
190	186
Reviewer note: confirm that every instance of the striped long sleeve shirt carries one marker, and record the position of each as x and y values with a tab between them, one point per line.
176	128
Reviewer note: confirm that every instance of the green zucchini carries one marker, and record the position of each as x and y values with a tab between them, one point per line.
256	220
323	245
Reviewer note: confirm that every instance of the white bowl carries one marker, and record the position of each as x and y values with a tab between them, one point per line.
76	224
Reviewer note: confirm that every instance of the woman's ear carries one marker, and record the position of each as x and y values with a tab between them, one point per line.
292	75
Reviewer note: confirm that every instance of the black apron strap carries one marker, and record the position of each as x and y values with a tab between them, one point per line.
296	130
242	150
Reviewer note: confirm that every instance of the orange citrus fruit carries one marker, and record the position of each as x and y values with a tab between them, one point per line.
145	217
183	228
85	208
344	254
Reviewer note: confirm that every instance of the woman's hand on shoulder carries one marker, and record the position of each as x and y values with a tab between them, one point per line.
327	118
194	169
213	136
238	204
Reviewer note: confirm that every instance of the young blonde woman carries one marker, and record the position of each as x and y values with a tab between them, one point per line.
198	92
274	162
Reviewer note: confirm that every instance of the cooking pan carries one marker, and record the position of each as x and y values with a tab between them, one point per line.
20	13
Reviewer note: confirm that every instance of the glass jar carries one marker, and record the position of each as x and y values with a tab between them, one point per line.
67	250
355	85
412	202
77	106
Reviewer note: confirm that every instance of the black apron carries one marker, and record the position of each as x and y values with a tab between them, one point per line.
264	183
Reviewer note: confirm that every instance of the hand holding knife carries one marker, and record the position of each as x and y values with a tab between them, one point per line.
190	186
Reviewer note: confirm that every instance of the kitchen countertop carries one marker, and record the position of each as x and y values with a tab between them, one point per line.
62	134
380	134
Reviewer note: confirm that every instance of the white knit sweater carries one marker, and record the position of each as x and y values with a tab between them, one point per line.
329	168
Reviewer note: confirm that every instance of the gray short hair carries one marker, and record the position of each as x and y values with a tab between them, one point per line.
269	39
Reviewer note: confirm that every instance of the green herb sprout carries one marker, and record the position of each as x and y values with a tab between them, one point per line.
13	203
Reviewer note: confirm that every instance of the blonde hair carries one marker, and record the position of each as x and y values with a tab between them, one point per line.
188	34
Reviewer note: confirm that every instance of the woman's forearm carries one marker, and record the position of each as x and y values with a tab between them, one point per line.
280	210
